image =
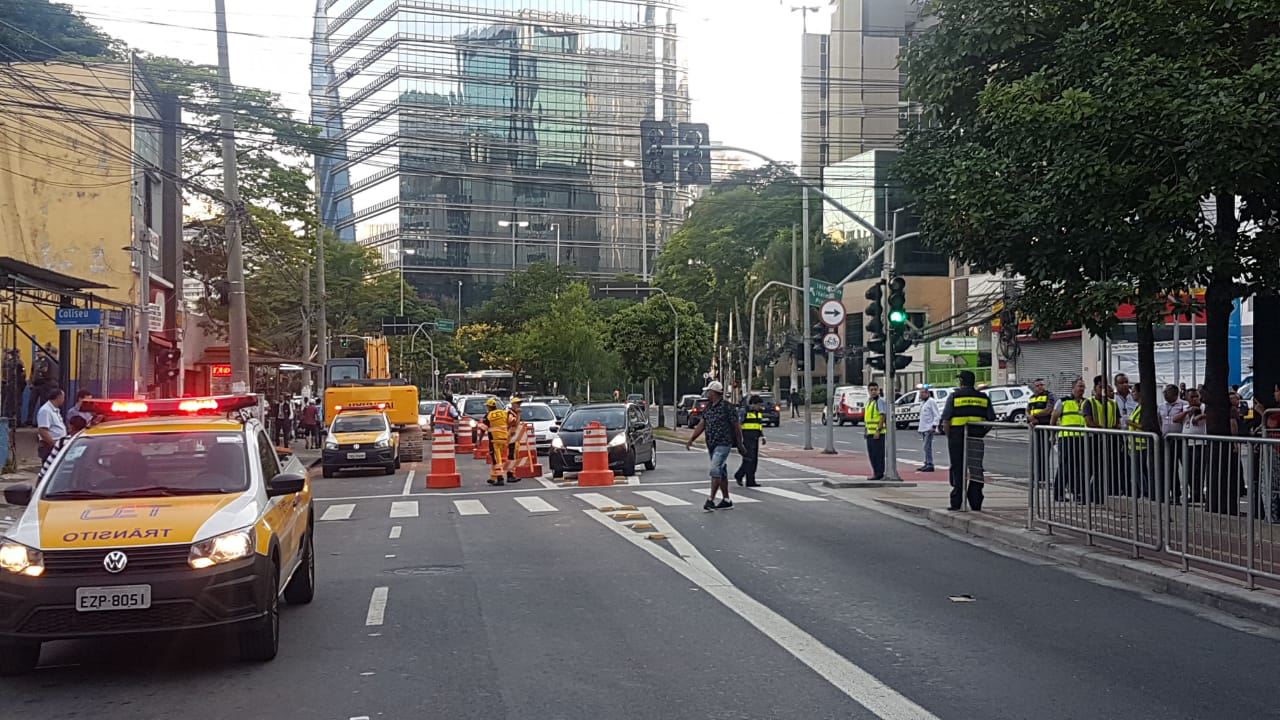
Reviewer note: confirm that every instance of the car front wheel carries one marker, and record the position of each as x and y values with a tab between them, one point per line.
260	641
652	462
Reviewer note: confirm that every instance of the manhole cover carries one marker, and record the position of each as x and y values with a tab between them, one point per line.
427	570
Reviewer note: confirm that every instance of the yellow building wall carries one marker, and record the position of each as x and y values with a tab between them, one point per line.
65	189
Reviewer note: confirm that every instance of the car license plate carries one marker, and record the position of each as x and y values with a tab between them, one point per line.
119	597
355	456
577	458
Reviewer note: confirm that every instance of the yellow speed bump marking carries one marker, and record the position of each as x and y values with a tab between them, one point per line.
642	526
609	509
634	516
656	536
626	507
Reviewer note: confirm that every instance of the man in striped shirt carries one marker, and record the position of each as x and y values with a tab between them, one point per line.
74	426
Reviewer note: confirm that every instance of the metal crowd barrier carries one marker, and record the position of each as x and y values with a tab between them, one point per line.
1102	483
974	464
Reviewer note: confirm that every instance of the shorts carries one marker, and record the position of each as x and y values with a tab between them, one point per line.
719	457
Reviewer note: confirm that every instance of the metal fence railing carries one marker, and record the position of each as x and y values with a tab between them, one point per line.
982	459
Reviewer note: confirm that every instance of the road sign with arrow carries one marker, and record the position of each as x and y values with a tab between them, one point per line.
832	313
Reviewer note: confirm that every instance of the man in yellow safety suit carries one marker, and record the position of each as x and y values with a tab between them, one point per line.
513	431
496	422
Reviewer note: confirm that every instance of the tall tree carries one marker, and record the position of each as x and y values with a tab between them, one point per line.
1086	147
643	336
43	31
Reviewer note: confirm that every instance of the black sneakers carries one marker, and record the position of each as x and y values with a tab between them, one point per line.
724	505
709	505
752	483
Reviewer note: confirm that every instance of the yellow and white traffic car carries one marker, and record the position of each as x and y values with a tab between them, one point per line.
359	438
168	515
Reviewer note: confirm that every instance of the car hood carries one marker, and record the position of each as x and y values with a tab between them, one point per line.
125	522
573	438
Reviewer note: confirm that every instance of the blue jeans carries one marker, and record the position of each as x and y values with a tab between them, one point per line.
927	438
719	459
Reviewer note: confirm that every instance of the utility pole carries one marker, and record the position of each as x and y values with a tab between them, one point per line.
804	315
891	427
306	327
239	317
144	306
795	307
322	317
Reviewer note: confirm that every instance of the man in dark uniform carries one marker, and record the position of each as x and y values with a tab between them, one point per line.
752	423
965	406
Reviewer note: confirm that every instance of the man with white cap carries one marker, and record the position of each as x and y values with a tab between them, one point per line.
720	422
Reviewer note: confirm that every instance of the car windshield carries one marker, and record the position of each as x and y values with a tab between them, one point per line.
537	413
635	397
477	406
561	411
612	418
150	465
358	423
427	407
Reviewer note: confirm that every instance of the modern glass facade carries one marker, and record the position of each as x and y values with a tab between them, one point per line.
478	136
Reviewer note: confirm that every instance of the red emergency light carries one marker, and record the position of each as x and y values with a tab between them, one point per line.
168	406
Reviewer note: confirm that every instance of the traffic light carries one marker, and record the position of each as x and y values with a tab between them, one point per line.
898	302
169	364
901	344
875	326
658	165
817	333
798	356
695	164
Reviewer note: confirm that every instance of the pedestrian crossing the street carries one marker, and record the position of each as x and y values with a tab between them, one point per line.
545	503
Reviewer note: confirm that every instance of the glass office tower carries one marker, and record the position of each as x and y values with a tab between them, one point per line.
475	137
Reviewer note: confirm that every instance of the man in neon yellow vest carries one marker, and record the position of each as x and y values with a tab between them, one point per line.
873	419
1069	415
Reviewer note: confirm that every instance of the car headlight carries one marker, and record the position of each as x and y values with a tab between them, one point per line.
383	441
424	421
20	559
221	549
330	443
557	443
471	423
618	440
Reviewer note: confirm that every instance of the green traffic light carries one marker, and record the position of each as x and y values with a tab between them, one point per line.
897	317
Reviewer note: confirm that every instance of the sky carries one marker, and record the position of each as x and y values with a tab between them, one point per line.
743	56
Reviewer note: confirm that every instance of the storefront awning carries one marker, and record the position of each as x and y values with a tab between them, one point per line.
221	355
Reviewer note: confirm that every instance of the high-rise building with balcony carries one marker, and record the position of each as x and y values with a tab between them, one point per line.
474	137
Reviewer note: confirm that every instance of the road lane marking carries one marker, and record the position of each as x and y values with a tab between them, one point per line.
536	504
470	507
404	509
548	483
859	685
789	494
596	500
377	607
395	533
408	482
802	468
738	498
812	476
661	498
338	512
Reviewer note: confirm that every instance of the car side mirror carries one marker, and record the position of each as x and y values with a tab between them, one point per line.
286	484
555	428
284	453
19	494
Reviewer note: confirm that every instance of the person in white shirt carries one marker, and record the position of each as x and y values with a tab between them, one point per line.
1126	399
74	426
930	415
1194	423
1173	405
49	423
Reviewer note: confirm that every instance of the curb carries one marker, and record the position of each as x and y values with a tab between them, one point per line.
861	481
1217	594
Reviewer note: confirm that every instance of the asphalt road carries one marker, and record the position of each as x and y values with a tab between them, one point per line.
528	602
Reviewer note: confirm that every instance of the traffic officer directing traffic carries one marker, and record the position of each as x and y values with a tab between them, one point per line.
444	421
495	423
1040	406
964	406
752	424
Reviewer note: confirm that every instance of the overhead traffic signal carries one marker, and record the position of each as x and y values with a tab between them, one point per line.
798	356
658	162
900	345
695	164
875	326
898	302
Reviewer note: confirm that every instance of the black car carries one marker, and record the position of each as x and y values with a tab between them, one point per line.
772	410
631	438
695	413
682	410
638	399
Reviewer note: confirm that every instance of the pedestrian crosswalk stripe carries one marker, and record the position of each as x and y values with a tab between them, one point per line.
338	512
404	509
597	500
738	498
661	498
789	494
536	504
470	507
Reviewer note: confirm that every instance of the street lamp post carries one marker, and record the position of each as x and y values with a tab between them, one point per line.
557	229
751	347
644	223
403	252
435	378
513	225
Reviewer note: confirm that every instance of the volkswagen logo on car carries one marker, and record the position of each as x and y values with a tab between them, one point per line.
115	561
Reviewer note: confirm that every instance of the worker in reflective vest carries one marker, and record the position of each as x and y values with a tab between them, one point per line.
752	424
873	419
1040	406
445	418
1110	472
495	423
1069	415
965	445
1138	446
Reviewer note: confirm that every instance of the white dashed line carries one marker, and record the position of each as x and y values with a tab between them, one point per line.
395	533
789	494
404	509
470	507
377	607
736	498
596	500
408	482
536	504
661	498
338	512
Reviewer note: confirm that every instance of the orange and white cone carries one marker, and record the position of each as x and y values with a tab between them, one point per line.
444	465
595	457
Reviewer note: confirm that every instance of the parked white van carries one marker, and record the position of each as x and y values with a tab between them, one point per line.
850	403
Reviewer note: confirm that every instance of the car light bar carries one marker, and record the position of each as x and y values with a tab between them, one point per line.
168	406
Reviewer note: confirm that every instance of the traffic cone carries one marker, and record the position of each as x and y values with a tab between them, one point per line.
526	460
481	451
595	457
444	466
466	444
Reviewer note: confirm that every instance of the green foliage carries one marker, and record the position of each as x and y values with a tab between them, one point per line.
643	335
523	296
43	31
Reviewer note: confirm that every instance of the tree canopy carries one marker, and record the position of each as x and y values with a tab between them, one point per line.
41	31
